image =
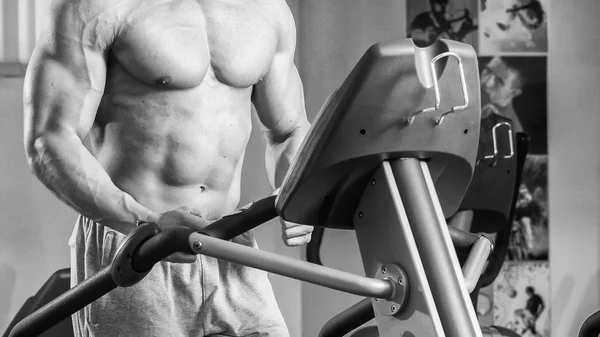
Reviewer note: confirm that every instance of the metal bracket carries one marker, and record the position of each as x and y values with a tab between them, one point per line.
397	302
121	270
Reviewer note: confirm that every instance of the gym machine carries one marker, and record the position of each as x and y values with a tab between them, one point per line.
487	209
390	155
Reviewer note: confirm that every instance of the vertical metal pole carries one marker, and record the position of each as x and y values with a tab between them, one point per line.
435	247
385	238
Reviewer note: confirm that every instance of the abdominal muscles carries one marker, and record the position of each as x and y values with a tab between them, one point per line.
176	148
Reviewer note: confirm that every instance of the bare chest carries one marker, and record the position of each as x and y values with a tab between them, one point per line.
174	43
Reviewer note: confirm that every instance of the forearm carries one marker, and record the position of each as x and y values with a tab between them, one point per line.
68	169
280	155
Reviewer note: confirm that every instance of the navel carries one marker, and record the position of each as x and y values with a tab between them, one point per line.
164	80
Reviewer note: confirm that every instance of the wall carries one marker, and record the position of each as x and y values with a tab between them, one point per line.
22	21
574	162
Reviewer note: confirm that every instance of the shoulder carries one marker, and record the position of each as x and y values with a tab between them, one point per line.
84	11
280	15
90	22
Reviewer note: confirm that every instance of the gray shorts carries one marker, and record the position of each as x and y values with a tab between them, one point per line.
206	298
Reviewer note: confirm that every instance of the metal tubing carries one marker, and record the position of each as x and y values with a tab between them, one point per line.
65	305
290	267
476	261
462	220
431	235
385	236
349	319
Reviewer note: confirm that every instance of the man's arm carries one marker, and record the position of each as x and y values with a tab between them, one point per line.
279	101
63	86
541	308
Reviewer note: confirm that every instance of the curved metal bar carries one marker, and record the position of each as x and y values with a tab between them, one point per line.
65	305
436	88
463	84
411	119
495	141
349	319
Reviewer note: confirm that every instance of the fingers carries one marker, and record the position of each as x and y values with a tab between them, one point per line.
297	241
189	217
295	234
192	211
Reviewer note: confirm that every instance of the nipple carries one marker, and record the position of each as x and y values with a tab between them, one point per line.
164	80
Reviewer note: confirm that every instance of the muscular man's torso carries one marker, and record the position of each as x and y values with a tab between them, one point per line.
174	121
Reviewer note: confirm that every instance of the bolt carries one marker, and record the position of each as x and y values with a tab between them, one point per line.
383	269
376	300
373	182
197	245
394	308
360	214
400	280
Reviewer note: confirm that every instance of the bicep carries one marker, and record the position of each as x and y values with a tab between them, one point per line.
64	82
279	101
279	96
58	96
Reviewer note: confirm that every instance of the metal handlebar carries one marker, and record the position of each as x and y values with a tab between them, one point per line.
495	141
143	247
436	90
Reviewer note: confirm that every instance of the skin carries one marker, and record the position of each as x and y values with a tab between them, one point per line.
498	81
501	84
164	90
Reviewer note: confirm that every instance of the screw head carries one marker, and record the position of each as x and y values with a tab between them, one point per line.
400	280
373	182
360	214
393	308
197	245
383	270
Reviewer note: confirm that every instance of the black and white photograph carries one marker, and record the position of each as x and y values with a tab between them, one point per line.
299	168
515	87
521	298
513	26
530	231
430	20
